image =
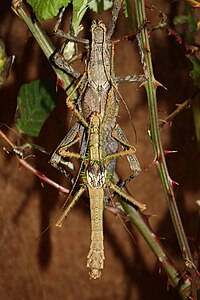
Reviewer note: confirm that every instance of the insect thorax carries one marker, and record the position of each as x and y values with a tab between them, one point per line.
96	174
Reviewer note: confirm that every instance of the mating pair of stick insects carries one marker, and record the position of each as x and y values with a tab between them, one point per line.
97	131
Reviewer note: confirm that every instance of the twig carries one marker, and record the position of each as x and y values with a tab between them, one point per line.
43	178
180	107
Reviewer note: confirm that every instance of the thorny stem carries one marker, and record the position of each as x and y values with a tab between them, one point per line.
140	221
171	116
42	177
163	25
157	146
179	108
182	285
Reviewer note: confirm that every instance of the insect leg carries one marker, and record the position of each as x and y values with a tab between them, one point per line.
132	159
70	206
127	197
133	78
115	13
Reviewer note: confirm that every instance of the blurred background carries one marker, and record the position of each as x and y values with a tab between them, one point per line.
52	265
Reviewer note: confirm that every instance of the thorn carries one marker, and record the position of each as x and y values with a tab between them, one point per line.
170	151
143	84
146	49
20	166
158	158
15	6
163	121
151	164
42	184
169	283
157	84
148	216
146	220
149	32
60	83
179	106
160	269
157	238
173	183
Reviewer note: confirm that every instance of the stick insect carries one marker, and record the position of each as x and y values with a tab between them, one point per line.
97	130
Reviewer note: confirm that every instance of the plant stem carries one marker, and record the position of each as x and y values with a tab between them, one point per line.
140	221
170	117
44	43
43	178
182	285
167	183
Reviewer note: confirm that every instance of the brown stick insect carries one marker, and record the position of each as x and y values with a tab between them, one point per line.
97	131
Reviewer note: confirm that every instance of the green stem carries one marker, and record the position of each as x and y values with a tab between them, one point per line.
182	286
170	117
44	42
140	221
156	140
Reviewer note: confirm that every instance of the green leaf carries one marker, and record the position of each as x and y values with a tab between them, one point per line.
99	6
129	14
189	19
35	102
195	73
5	64
79	9
47	9
3	59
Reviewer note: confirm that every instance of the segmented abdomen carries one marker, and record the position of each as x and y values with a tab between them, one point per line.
96	257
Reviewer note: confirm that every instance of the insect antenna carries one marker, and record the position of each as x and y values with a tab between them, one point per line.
127	110
119	212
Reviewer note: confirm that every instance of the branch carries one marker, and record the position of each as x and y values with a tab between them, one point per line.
41	176
167	182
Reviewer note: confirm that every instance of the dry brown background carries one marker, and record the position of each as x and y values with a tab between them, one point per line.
54	266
